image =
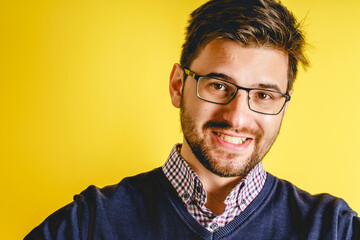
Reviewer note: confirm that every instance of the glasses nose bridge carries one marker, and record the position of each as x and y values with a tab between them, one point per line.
238	88
247	90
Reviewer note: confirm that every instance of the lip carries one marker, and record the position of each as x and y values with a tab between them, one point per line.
231	146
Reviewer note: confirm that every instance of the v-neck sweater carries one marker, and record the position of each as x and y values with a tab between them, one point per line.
146	206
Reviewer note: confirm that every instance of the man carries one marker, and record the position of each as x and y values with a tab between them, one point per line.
233	86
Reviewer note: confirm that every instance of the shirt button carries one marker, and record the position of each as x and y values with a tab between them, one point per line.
214	226
243	201
186	196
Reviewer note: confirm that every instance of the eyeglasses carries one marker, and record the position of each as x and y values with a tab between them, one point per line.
219	91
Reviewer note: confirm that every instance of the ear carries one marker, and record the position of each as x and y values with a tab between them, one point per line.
287	104
176	84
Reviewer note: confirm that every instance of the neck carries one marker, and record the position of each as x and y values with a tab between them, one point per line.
217	188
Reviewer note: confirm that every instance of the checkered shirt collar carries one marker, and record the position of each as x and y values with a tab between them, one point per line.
189	187
185	181
248	188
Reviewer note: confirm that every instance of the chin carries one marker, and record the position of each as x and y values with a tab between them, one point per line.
235	167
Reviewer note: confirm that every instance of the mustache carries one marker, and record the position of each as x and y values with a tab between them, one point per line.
217	124
224	125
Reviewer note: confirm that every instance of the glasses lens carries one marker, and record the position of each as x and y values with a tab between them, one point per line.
260	100
266	101
215	90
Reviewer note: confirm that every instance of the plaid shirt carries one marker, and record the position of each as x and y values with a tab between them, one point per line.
192	192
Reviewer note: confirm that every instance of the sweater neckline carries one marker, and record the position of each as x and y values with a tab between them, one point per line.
194	225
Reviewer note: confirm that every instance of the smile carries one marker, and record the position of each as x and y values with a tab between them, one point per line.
230	139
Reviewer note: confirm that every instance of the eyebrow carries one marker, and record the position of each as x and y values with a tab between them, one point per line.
222	76
269	86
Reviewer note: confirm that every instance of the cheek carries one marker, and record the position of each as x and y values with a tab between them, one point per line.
202	112
271	124
266	123
199	109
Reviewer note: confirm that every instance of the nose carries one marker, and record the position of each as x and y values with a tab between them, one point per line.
237	111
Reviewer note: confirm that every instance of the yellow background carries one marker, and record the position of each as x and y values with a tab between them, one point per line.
84	100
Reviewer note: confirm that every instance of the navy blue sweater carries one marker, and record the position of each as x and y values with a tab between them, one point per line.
147	207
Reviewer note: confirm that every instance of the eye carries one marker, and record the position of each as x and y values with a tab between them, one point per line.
219	86
263	95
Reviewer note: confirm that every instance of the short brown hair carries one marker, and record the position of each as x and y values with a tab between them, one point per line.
251	23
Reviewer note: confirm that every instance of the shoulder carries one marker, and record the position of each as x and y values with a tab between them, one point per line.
285	190
329	214
128	189
98	205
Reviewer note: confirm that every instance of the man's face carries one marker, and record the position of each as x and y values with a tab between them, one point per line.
229	140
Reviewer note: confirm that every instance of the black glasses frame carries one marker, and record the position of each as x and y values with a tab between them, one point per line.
195	76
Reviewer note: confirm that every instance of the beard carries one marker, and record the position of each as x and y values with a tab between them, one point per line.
219	161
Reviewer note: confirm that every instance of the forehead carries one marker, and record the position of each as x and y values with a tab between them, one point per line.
247	66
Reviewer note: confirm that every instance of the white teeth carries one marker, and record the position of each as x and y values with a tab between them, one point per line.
233	140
